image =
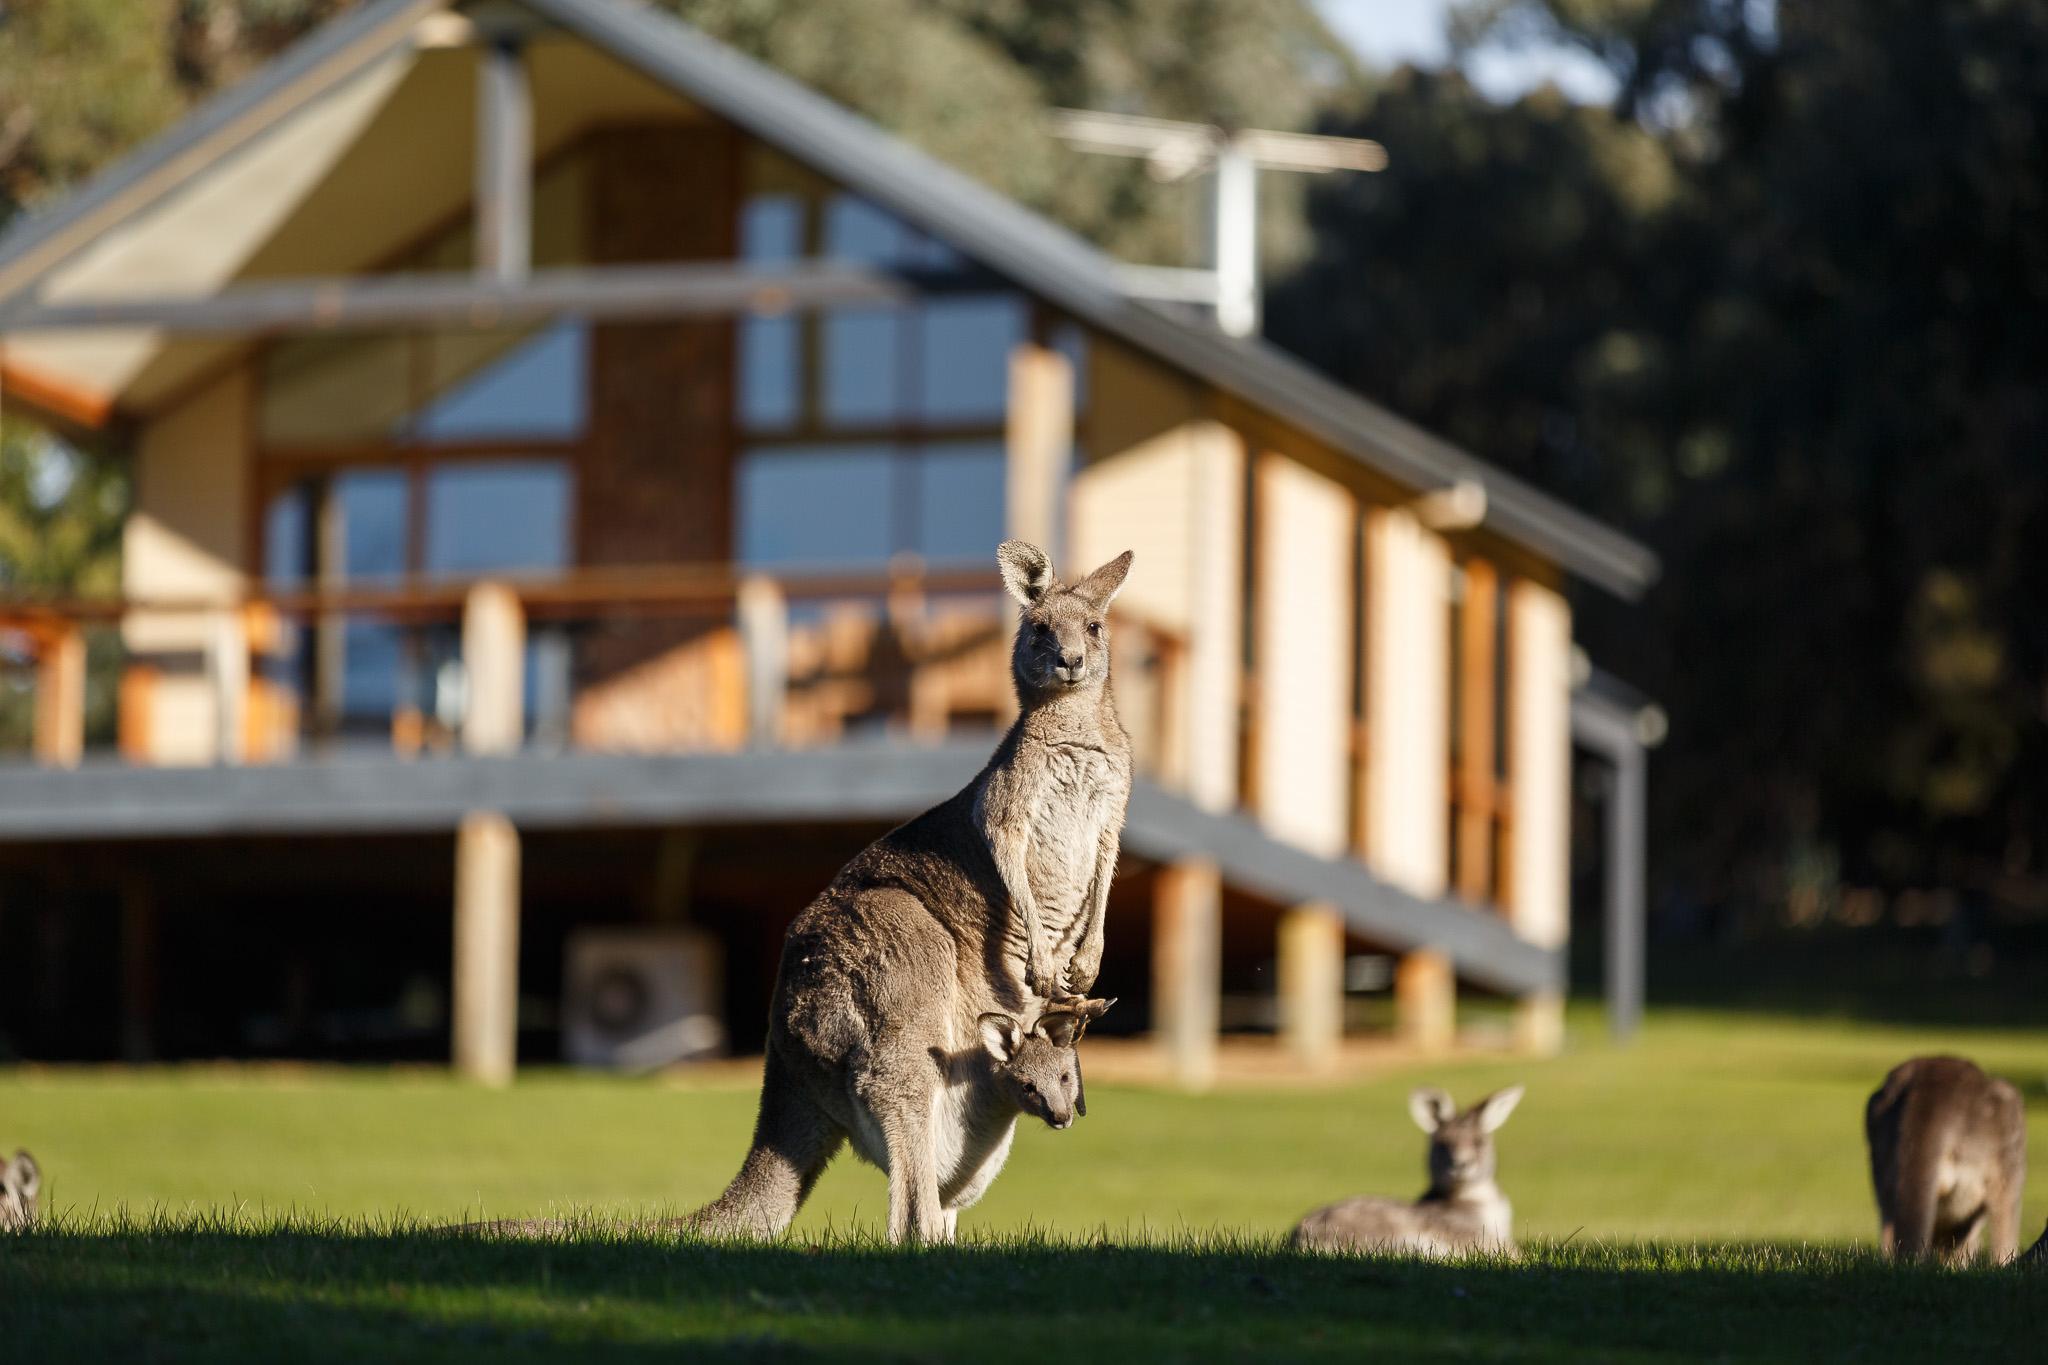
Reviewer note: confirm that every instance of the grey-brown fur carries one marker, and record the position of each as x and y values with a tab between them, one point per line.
1948	1160
990	903
21	1188
1463	1209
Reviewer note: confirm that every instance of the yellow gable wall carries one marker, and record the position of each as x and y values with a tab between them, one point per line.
1166	480
187	540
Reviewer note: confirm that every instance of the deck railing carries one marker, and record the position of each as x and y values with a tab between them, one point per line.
670	659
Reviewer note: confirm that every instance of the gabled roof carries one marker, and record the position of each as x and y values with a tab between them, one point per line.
1008	238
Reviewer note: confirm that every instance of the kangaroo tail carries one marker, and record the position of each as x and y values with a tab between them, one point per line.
793	1141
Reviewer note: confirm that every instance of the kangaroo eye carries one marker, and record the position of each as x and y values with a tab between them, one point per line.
1030	1089
1095	628
1064	1078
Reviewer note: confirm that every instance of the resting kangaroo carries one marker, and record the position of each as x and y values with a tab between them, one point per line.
1462	1211
1948	1154
21	1185
990	903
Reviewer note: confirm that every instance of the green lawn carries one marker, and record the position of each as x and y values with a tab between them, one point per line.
265	1207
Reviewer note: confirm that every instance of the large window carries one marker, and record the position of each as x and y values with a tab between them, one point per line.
870	433
415	456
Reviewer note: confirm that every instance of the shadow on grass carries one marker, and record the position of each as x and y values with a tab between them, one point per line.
308	1293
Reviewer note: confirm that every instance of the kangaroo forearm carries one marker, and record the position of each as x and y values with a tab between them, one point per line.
1086	960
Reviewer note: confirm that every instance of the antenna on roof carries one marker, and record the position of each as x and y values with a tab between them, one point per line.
1174	151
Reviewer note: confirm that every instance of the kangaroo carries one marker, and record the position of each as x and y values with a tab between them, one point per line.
1462	1211
1948	1155
2037	1254
992	902
1012	1073
21	1186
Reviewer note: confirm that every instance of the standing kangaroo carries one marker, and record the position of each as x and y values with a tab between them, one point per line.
1462	1211
989	903
21	1185
1948	1154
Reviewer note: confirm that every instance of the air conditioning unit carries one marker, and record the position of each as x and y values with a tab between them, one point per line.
638	999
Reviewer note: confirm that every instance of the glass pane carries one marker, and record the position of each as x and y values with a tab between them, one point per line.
373	522
324	391
822	505
959	501
857	231
506	384
372	507
288	536
772	228
771	373
963	373
492	515
861	366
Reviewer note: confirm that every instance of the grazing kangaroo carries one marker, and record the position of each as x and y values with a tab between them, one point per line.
2037	1254
1948	1155
21	1185
989	903
1462	1211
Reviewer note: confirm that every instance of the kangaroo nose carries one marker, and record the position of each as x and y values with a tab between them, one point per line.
1070	660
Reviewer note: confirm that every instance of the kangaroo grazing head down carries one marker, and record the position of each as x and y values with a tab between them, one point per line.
21	1182
1040	1071
1063	638
1461	1145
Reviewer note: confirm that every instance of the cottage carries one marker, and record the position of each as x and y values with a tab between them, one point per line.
567	457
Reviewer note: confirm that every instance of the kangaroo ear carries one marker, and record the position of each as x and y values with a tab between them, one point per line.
1102	586
24	1175
1495	1108
1062	1028
1081	1100
1027	570
1431	1108
1000	1036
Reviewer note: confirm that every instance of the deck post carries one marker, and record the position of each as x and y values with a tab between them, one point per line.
1311	983
494	662
1426	1001
60	698
763	615
485	1041
227	669
1040	437
1187	949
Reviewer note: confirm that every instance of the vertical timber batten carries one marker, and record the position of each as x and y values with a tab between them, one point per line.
1407	711
1302	586
1539	785
485	1042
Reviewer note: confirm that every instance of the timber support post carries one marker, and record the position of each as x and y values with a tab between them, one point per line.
485	1042
1311	984
1187	949
1426	1001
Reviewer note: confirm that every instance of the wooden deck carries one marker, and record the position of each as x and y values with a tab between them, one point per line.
865	781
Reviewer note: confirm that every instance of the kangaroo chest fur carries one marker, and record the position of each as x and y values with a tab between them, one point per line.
1079	796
